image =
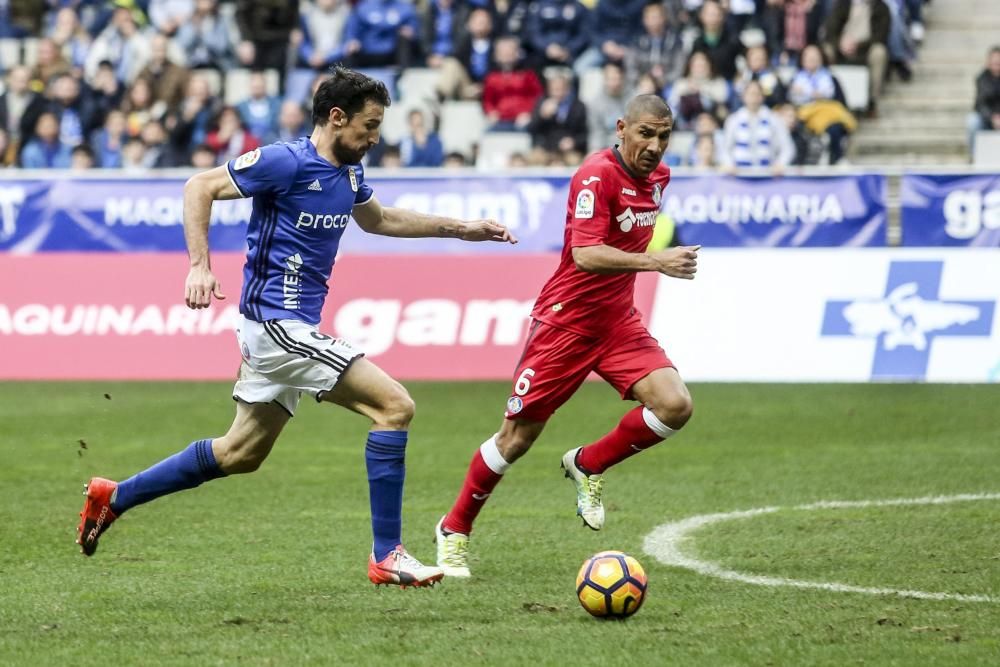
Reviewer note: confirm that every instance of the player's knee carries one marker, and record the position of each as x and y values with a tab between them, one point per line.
673	409
398	409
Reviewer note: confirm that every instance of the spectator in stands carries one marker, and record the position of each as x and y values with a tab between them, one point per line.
109	140
758	68
717	40
902	50
611	30
511	90
122	44
453	160
754	136
134	155
75	111
392	158
159	152
167	16
140	107
422	147
382	33
647	85
699	90
704	154
556	31
857	33
266	27
21	19
46	151
559	121
81	158
168	79
203	157
207	38
19	107
790	25
292	122
986	115
658	50
322	24
70	36
106	92
462	74
814	91
509	16
443	22
605	109
189	125
260	111
8	152
517	161
229	137
50	63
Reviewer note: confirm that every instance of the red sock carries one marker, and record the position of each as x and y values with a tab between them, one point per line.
631	436
478	485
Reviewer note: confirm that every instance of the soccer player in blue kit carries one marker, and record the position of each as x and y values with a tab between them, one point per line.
304	194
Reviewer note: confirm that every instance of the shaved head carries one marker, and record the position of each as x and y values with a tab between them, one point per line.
647	106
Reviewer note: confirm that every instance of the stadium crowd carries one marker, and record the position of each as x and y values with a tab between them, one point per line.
140	84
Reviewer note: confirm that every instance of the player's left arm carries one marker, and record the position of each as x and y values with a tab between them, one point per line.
372	217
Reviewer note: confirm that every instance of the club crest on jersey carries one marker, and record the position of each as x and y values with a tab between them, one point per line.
657	193
353	177
584	204
514	405
247	160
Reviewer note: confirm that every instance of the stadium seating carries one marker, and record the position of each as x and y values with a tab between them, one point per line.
462	125
10	52
854	80
987	149
418	85
495	149
591	85
237	85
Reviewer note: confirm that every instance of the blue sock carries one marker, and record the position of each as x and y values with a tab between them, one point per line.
385	454
184	470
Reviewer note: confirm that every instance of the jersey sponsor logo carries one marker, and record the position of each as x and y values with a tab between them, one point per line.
591	179
354	178
247	160
628	219
628	191
657	193
324	220
514	405
315	186
584	204
291	286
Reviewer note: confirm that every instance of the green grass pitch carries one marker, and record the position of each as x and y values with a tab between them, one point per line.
269	568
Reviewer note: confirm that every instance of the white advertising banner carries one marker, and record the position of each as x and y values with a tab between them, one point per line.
834	315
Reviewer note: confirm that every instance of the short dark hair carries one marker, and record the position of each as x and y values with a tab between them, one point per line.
347	90
650	104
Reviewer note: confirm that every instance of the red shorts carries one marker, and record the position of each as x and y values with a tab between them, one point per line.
555	363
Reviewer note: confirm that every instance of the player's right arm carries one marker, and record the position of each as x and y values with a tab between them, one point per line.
199	193
679	262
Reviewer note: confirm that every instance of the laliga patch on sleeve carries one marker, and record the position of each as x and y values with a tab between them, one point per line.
247	160
584	204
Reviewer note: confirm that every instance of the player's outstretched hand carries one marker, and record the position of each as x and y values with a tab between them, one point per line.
200	287
679	262
486	230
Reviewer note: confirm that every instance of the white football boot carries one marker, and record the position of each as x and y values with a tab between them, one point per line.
452	552
588	491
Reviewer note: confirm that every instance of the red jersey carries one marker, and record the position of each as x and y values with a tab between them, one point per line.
609	205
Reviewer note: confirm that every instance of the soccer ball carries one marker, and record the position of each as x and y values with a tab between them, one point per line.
611	584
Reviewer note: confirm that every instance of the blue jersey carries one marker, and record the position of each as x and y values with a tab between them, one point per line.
301	206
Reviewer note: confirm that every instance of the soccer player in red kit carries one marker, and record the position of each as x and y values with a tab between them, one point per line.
585	321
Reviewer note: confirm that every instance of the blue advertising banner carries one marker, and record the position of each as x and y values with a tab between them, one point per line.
951	210
145	215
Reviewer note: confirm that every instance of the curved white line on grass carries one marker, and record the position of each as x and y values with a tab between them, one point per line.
666	541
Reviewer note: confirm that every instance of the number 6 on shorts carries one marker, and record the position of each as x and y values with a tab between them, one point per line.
523	383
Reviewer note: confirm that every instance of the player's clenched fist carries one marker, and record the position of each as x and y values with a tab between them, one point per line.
679	262
200	287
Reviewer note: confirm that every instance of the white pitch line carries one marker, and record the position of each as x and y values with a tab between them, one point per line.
666	541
